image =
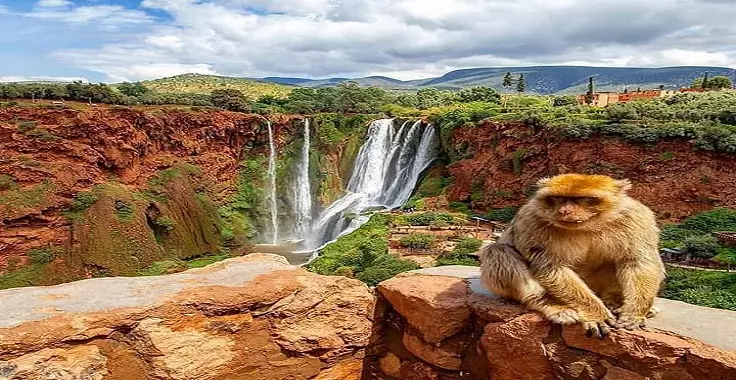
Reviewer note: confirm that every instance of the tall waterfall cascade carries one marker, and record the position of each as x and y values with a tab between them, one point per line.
386	171
273	209
302	190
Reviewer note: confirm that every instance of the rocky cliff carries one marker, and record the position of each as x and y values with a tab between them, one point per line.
496	165
257	317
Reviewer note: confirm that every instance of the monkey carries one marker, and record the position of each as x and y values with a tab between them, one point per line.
581	250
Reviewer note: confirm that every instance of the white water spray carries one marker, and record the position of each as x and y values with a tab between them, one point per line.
302	191
272	186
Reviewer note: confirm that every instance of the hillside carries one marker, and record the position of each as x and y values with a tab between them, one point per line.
204	84
539	79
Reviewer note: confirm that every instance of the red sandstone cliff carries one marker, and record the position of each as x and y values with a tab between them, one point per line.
670	176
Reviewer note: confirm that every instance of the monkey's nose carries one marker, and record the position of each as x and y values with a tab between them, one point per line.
564	211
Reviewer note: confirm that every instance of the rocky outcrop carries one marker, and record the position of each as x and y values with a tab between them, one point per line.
442	325
497	165
244	318
257	317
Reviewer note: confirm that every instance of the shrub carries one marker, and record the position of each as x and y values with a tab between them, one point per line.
124	210
6	182
26	126
164	222
459	207
426	218
83	201
42	255
704	246
666	156
418	241
705	288
467	245
505	214
458	259
385	267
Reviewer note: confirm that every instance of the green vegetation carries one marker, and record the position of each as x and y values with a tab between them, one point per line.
362	253
428	218
124	210
42	255
504	215
206	84
244	209
694	234
699	287
418	241
29	275
7	182
461	254
715	83
172	266
17	199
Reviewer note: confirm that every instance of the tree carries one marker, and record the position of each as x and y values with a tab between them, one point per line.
508	81
590	95
521	84
479	94
432	97
133	89
564	100
229	99
726	256
720	82
716	83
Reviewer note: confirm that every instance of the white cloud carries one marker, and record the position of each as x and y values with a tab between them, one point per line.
100	15
41	79
410	38
53	3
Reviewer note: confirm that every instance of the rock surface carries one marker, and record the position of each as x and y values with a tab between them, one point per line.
244	318
257	317
450	328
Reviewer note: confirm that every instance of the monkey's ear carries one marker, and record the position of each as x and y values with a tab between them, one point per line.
623	185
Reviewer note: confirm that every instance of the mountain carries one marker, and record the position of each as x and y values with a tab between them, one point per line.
205	84
539	79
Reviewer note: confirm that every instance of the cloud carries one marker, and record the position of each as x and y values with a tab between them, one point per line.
101	15
405	38
41	79
53	3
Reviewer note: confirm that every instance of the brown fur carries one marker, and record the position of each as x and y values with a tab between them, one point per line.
581	250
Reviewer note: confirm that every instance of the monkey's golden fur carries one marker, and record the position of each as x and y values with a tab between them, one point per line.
581	250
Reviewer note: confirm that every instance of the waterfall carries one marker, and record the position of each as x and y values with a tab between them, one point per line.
302	191
386	172
272	185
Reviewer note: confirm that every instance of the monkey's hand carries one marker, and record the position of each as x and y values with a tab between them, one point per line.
631	321
600	326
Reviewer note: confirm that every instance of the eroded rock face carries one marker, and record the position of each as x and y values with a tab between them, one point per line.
245	318
444	326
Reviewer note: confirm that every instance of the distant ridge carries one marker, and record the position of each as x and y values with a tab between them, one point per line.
539	79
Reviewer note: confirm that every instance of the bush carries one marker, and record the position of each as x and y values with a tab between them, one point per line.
124	210
418	241
704	246
704	288
458	259
459	207
83	201
42	255
6	182
504	215
426	218
467	245
164	222
385	267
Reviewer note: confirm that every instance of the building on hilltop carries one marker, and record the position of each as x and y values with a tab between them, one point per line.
602	99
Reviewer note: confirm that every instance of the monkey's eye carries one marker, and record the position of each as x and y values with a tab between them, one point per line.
590	200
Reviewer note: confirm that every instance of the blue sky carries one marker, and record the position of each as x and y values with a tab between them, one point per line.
116	40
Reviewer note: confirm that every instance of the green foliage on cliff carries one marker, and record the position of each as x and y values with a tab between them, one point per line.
243	212
694	234
461	254
505	214
699	287
418	241
362	253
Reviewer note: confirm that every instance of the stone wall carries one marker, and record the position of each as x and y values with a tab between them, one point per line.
256	317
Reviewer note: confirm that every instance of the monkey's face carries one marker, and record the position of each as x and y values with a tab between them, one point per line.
571	211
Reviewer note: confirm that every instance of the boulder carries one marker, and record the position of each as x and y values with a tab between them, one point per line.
248	317
446	305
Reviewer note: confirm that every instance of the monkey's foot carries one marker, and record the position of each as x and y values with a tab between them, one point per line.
631	322
652	312
597	329
564	317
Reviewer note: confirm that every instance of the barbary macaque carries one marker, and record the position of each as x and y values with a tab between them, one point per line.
580	250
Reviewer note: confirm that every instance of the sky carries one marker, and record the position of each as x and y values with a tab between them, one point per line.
130	40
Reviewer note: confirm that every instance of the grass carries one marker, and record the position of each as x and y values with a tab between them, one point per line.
172	266
704	288
19	199
29	275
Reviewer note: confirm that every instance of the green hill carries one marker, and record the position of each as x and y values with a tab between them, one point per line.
205	84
